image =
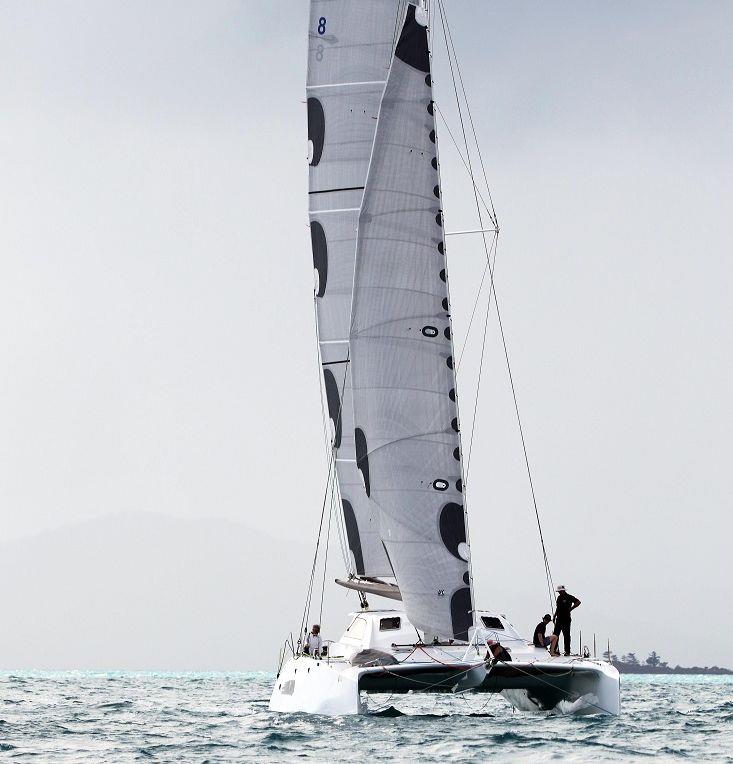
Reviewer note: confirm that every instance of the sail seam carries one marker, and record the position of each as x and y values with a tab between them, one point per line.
417	436
336	190
344	84
402	387
342	209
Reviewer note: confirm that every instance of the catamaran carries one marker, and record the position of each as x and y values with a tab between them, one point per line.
386	348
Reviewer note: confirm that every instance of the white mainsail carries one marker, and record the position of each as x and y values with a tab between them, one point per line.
349	51
403	380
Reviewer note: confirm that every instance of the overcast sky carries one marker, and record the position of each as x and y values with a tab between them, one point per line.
156	316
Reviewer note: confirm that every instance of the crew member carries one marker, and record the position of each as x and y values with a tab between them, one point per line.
540	639
313	642
496	652
563	607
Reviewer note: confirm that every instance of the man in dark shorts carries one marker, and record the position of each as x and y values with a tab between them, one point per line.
564	605
540	640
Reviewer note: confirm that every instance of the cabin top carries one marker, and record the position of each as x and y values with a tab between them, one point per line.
385	629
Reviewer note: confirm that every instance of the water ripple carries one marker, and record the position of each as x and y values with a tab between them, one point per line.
92	717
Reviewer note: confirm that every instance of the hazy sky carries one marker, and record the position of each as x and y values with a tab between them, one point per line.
156	316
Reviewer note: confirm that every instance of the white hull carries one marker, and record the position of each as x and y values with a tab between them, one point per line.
317	687
531	681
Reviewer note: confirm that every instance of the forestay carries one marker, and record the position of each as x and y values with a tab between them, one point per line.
407	432
349	50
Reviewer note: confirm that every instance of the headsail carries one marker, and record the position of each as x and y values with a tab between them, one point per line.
349	51
407	439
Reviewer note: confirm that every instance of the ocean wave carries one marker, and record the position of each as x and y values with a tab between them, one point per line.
80	717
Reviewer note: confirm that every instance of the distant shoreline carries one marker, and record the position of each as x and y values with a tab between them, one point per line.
631	668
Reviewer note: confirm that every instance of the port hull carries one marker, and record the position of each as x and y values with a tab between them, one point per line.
529	686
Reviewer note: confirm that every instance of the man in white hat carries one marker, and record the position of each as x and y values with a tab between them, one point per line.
563	607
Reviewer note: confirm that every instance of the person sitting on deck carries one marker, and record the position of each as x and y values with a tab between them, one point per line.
313	642
540	640
497	652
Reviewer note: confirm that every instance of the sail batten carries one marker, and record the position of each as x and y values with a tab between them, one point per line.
349	52
407	436
344	84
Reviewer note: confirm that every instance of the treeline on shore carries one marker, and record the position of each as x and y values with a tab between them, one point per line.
630	664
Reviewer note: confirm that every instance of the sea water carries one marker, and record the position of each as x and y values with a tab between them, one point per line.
110	717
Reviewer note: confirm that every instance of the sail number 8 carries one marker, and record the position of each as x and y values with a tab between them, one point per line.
322	25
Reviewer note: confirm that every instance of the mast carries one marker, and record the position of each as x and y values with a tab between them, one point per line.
407	437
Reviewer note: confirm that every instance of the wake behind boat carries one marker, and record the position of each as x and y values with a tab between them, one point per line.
396	468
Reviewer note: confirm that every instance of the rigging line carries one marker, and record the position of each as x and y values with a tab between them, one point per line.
490	267
480	370
460	155
381	708
508	664
428	686
455	378
336	428
496	304
470	116
331	476
463	126
326	438
340	531
492	695
325	556
340	521
309	598
494	247
330	457
460	114
483	234
550	582
306	608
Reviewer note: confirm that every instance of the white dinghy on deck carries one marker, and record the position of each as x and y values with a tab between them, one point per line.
385	338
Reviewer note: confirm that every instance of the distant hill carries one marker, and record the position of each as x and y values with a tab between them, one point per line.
148	591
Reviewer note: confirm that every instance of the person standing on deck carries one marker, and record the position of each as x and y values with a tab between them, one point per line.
563	607
313	642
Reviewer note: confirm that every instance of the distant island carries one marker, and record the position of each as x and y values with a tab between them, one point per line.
630	664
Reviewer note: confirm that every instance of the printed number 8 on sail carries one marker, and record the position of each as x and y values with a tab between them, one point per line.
322	25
